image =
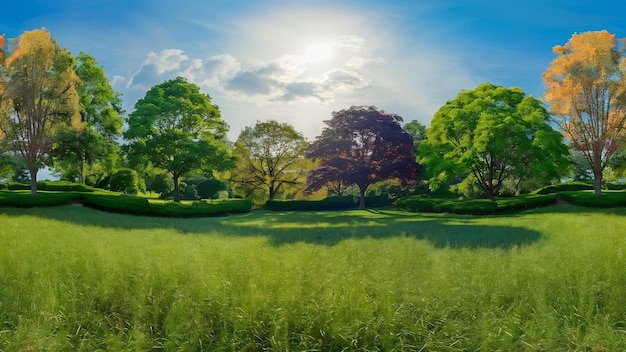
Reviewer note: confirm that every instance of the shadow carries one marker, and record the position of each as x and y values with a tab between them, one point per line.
322	227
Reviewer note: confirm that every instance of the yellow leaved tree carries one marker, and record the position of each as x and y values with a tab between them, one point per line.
38	98
586	90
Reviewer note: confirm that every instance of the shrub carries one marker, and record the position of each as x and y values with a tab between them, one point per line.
564	187
330	203
63	186
126	204
208	188
474	206
608	199
17	186
41	199
125	181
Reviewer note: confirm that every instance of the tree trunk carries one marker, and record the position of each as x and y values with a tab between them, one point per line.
272	192
33	180
597	184
362	197
176	189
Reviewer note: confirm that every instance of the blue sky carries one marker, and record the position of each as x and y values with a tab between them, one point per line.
297	61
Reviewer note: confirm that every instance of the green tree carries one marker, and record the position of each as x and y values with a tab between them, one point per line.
271	157
362	145
417	130
178	129
126	181
209	188
490	135
101	109
38	98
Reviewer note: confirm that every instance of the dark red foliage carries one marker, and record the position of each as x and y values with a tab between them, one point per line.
362	145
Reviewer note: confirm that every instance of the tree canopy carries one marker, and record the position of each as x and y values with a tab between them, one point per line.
38	97
271	157
490	135
587	94
362	145
178	129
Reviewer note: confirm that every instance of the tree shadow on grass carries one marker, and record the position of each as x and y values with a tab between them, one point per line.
322	228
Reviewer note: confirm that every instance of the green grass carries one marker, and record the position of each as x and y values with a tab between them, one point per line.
76	279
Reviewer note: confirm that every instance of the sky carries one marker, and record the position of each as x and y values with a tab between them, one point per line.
298	61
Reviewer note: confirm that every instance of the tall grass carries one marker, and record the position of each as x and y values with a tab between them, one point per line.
75	279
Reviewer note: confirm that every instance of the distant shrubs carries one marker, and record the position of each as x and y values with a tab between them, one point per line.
474	206
125	181
128	204
330	203
564	187
41	199
608	199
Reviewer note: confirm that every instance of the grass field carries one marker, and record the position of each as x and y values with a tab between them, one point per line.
76	279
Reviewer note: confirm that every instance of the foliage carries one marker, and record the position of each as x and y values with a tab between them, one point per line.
362	145
128	204
489	135
423	204
563	187
38	97
417	130
161	183
330	203
587	95
125	181
609	199
178	129
100	107
209	188
41	199
270	157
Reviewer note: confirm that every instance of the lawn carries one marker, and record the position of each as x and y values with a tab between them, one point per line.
76	279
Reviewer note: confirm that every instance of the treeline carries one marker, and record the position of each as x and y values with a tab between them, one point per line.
60	111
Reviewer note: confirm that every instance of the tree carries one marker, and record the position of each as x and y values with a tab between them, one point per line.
126	181
586	89
38	98
362	145
490	135
209	188
178	129
271	157
100	109
417	130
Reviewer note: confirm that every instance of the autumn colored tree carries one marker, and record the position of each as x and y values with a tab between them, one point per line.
271	157
586	89
490	135
38	97
362	145
75	151
177	128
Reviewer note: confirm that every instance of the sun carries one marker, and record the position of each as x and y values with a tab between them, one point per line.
318	52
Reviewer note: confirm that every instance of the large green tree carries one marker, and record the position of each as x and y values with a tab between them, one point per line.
271	157
76	151
362	145
38	98
178	129
491	135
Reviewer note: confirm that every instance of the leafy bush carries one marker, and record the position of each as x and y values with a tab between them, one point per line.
41	199
474	206
209	188
125	181
62	186
330	203
17	186
608	199
128	204
564	187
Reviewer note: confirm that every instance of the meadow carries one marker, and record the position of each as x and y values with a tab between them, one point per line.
77	279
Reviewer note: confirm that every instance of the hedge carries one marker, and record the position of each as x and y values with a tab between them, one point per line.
47	185
474	206
564	187
41	199
609	199
330	203
129	204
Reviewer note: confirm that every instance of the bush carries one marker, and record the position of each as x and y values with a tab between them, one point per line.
564	187
125	181
609	199
17	186
330	203
62	186
474	206
41	199
128	204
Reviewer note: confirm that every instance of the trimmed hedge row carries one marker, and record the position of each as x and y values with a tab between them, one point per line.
474	206
41	199
330	203
564	187
46	185
128	204
609	199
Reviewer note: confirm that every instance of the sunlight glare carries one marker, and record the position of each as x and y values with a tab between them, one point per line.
318	52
